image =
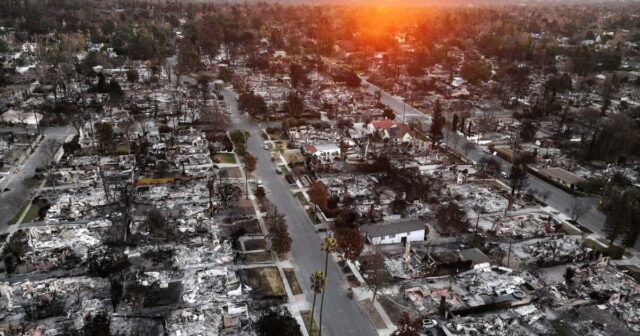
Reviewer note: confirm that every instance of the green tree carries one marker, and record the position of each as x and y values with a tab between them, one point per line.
115	91
294	105
203	79
209	34
388	114
452	218
318	283
528	130
188	57
104	137
622	207
437	123
476	72
250	162
277	324
298	74
328	245
226	74
279	233
518	176
133	76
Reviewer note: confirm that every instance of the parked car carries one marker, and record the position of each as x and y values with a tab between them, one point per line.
278	171
429	323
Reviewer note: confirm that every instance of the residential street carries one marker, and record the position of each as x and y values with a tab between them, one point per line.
17	181
342	316
558	198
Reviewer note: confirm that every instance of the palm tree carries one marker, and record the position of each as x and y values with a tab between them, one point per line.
328	245
318	281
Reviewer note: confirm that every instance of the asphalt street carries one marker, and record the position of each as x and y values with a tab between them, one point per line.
17	181
342	316
593	219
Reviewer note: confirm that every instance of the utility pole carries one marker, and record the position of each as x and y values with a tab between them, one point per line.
35	115
509	255
404	107
475	233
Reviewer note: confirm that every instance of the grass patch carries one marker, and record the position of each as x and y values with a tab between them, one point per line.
259	257
225	158
312	216
266	280
284	169
32	213
301	198
16	217
293	281
275	136
309	323
293	156
121	149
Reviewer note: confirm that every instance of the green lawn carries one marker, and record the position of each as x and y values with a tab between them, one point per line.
313	217
18	214
308	321
301	198
225	158
275	136
284	169
121	149
31	214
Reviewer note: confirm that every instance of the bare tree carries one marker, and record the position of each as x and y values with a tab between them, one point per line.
77	119
468	146
577	209
489	165
211	181
375	273
488	121
228	193
49	149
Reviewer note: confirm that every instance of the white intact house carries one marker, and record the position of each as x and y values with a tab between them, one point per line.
392	130
395	232
325	153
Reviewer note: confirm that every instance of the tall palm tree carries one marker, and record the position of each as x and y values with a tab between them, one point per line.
328	245
318	281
